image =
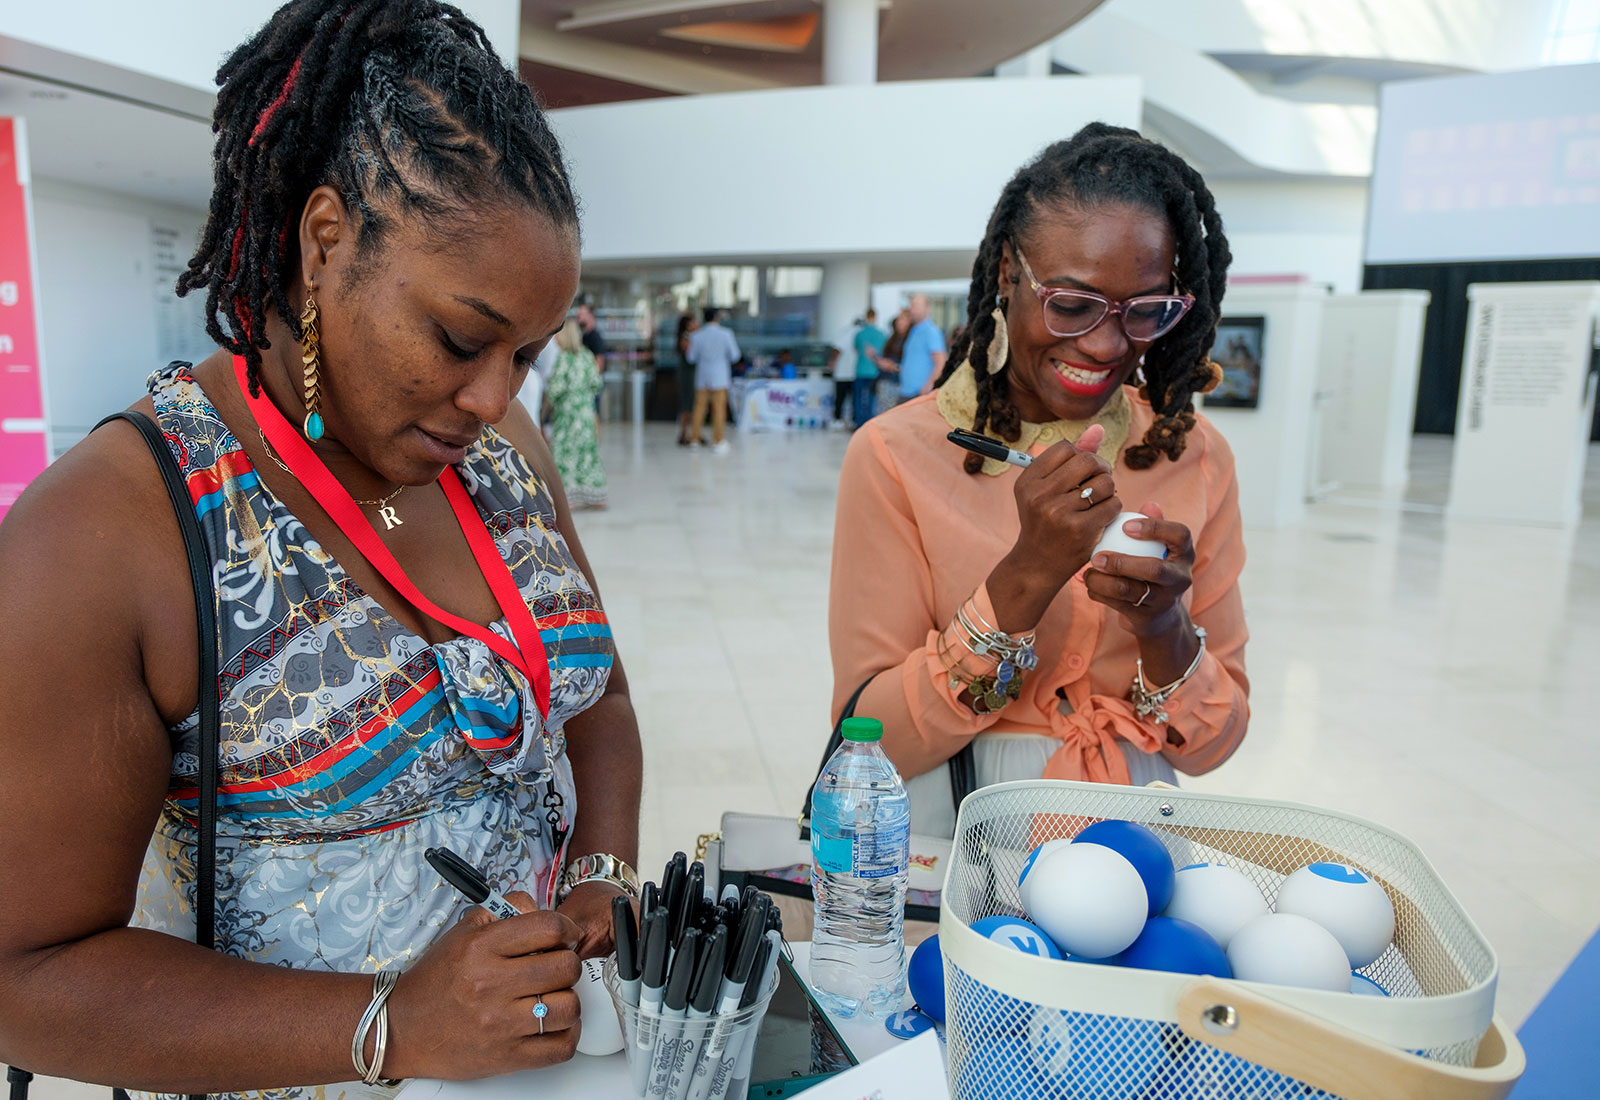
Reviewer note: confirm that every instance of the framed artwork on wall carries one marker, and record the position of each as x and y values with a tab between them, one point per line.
1238	352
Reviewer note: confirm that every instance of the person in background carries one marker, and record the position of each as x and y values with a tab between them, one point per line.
968	594
784	365
596	343
712	350
842	366
868	343
573	385
894	347
687	323
353	451
922	360
592	339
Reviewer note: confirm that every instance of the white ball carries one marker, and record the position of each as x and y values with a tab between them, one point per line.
600	1034
1217	898
1347	903
1118	541
1027	868
1283	949
1089	899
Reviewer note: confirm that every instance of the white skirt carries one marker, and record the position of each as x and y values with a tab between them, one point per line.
1002	757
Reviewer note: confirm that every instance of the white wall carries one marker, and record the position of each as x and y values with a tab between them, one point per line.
1295	227
1272	444
817	172
1470	34
183	41
107	321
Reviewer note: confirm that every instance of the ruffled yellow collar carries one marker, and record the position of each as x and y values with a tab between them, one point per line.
958	402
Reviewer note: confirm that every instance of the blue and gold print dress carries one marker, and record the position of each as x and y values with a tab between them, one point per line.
349	745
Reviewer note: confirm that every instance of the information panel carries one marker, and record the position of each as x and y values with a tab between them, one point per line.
24	443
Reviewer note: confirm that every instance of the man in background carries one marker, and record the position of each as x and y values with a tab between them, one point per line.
597	347
713	351
868	345
923	358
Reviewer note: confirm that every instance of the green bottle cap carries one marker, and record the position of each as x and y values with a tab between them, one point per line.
862	729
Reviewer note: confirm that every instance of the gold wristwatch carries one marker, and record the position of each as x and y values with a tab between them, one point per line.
601	867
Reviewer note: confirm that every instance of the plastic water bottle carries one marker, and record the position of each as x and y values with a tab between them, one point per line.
860	863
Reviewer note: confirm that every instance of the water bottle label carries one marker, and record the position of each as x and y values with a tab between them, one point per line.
835	854
882	852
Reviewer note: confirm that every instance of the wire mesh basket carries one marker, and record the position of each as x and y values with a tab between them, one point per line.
1027	1028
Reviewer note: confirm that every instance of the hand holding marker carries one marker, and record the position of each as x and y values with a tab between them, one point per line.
691	965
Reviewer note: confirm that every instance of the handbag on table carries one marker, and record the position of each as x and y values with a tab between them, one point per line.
773	853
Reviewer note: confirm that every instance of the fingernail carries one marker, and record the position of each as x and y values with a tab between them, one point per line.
1135	527
1099	561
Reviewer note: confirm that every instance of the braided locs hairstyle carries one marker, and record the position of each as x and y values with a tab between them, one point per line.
1109	164
402	105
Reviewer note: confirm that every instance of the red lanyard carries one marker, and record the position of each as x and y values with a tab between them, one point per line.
341	508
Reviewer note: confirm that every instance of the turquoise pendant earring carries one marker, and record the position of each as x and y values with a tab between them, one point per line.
311	358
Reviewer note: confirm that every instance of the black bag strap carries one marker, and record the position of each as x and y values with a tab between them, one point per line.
963	772
194	547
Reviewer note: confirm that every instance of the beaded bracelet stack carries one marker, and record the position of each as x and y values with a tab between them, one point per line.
1151	703
1003	659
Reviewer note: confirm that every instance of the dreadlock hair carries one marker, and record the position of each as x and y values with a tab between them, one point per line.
402	105
1109	164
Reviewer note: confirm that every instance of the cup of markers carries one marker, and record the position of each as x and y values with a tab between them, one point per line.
691	981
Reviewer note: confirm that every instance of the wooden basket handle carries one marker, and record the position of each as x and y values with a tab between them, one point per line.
1284	1039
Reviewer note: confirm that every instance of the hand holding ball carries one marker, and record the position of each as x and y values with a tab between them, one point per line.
1118	541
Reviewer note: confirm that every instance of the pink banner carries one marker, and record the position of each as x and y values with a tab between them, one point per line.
24	447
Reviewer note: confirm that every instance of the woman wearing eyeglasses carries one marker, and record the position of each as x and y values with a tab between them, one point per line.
967	594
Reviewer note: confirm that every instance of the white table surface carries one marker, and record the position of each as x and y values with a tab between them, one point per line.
607	1078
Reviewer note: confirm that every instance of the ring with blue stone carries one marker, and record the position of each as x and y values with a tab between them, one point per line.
540	1011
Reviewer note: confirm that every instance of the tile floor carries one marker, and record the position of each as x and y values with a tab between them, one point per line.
1434	677
1431	676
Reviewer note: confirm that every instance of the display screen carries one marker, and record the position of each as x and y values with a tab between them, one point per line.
1487	167
796	1042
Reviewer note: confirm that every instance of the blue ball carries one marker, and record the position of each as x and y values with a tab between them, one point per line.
1178	947
1017	934
1142	848
925	976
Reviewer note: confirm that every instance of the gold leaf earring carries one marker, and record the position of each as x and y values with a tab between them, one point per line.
999	345
311	359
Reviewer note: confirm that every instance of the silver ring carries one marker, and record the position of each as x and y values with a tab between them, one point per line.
1144	597
1088	492
540	1010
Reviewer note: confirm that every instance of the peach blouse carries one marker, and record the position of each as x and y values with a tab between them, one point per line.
916	536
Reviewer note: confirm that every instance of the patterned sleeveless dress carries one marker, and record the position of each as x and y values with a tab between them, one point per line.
349	745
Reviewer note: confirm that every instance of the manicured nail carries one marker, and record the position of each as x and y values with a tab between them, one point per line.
1136	528
1099	561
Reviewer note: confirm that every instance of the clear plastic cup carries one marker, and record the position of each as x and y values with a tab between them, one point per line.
671	1059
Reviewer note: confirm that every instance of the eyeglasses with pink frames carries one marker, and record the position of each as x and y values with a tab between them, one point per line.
1075	312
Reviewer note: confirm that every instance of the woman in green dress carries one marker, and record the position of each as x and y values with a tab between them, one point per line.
574	383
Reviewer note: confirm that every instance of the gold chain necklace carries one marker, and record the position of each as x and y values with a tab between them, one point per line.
390	519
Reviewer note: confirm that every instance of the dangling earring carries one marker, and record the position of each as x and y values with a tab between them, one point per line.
999	344
311	357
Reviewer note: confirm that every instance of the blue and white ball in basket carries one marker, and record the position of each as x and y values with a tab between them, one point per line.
1092	1057
1217	898
1177	947
1089	899
1033	858
1017	934
925	977
1142	848
1345	901
1284	949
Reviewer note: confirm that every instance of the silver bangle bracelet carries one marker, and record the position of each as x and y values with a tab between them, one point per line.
1150	702
383	983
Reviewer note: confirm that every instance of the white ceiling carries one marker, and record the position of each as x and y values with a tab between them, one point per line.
109	142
